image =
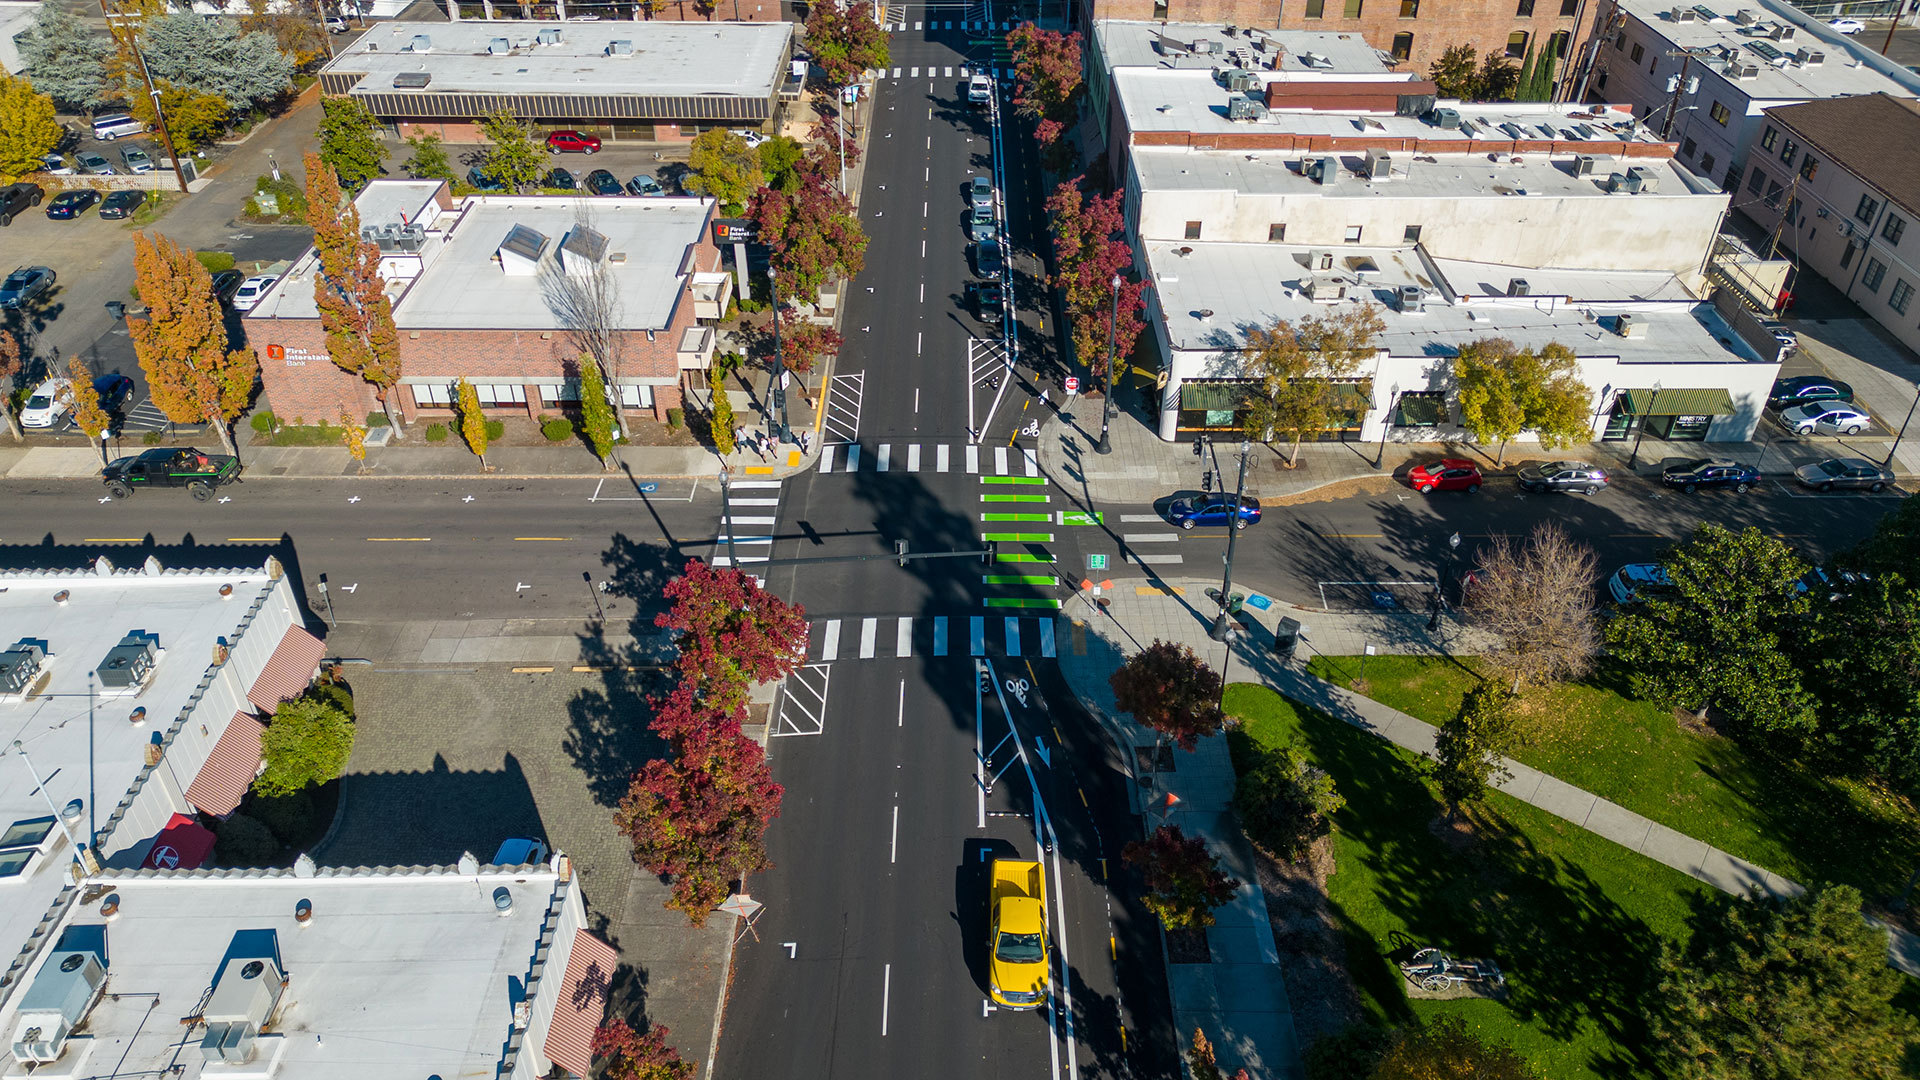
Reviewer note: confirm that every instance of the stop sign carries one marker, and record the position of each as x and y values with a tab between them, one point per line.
1073	385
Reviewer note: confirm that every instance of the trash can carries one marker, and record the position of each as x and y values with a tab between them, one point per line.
1286	636
116	309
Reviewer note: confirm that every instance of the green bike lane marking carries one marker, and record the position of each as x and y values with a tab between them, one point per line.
1021	557
1081	517
1022	602
1019	579
1041	518
1012	497
1029	481
1017	538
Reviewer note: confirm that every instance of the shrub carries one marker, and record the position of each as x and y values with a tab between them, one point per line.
1353	1054
335	694
264	422
215	261
495	429
289	817
1286	804
244	841
151	438
376	418
436	433
306	743
675	418
557	428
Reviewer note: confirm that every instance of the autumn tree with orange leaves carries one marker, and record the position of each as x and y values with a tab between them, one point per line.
84	400
182	343
354	309
9	371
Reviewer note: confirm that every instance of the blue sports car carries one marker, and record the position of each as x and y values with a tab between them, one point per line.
1213	510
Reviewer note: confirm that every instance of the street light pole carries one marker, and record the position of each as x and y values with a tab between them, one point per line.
1105	445
1888	464
1222	628
1440	593
1385	427
778	428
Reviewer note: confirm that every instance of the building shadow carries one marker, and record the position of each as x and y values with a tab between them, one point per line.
429	818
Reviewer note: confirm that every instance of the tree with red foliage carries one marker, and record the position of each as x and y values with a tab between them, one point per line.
632	1056
700	817
1089	249
1184	881
813	232
846	40
1047	80
803	341
1171	690
828	146
731	633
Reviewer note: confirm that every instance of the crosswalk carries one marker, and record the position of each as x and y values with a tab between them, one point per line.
937	72
746	523
936	457
922	25
905	636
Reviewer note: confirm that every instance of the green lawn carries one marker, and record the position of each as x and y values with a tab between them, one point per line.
1782	815
1573	919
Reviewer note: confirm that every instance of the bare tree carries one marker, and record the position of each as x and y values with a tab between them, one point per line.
1537	598
580	290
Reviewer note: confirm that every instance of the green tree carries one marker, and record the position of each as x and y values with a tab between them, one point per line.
214	57
429	160
1505	390
1183	880
88	416
513	157
1467	750
1455	72
66	57
1781	990
347	141
473	422
27	127
1490	406
306	743
1497	79
1285	804
596	412
1862	664
1305	370
1894	546
846	40
780	159
1167	687
1446	1049
722	165
194	118
1719	636
1523	83
351	296
9	371
720	418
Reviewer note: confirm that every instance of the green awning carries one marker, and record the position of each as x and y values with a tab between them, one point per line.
1421	410
1351	396
1676	401
1214	397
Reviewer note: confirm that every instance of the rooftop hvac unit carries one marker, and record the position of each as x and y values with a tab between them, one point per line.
1683	15
411	237
1519	287
412	80
19	666
1738	70
1447	119
369	234
1244	108
549	36
499	46
1745	17
1324	290
1410	299
1323	170
1206	46
1630	326
127	664
620	47
62	993
1642	180
1586	165
421	43
1315	60
1379	165
1782	32
244	997
1319	260
1513	131
1616	183
1242	81
1810	57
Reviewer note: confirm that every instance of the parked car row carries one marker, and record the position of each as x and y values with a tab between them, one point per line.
67	205
597	182
1627	583
1460	474
51	403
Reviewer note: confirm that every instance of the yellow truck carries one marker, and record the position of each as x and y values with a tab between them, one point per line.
1017	970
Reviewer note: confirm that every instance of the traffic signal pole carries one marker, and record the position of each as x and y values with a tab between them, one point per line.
1223	628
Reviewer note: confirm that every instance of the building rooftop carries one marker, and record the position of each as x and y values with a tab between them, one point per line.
1296	52
1725	32
15	19
94	754
1217	292
1873	136
412	972
397	202
1280	172
664	58
490	262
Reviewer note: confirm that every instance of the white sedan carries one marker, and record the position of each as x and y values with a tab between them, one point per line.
252	291
1847	26
1826	418
46	405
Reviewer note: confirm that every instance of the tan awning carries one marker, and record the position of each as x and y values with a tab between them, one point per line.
1677	401
230	767
582	1004
289	670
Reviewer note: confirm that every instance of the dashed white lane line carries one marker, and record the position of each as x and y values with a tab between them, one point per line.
869	632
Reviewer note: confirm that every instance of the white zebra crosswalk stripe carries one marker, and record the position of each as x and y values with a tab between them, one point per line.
1013	636
869	630
942	456
896	73
939	635
986	636
1046	638
885	460
973	458
827	455
754	485
830	644
976	635
915	72
749	520
853	457
949	71
1000	460
1157	560
1150	538
903	639
1140	519
913	457
1033	461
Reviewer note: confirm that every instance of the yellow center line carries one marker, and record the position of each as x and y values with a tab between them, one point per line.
554	538
398	539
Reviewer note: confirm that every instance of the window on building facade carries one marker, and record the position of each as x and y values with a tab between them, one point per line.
1402	46
440	394
1160	9
1524	10
501	393
1353	234
1420	408
1277	233
1788	151
1620	41
1517	44
1353	9
1569	8
1688	147
1706	164
1773	193
1793	209
1558	43
1601	82
1846	255
1809	167
1412	234
1895	225
1768	138
1720	113
1873	275
1193	230
1868	207
1899	297
1315	9
1409	9
1759	180
1639	51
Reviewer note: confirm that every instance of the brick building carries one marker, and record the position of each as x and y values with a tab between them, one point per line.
1412	32
486	289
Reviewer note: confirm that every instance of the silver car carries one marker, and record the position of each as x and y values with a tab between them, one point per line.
1826	418
137	160
1846	472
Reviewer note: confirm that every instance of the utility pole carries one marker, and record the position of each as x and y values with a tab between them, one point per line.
1679	87
1223	628
159	114
1105	445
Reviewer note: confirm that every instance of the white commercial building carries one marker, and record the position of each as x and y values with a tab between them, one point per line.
130	700
1703	75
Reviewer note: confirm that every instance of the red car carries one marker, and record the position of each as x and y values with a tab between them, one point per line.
571	142
1447	474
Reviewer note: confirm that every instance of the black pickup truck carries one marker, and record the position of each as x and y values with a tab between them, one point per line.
171	467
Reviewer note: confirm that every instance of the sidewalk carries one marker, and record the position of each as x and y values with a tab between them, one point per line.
1143	468
1240	999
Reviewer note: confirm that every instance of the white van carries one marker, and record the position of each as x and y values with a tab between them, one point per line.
111	126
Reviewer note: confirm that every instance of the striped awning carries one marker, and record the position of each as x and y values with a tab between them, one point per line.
230	768
289	670
582	1003
1678	401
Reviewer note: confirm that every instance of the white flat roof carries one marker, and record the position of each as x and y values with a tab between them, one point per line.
397	202
669	59
77	759
399	973
1170	45
1713	32
1278	172
1244	286
1157	100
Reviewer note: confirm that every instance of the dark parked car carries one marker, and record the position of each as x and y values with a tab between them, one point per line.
1807	389
171	467
71	204
1846	472
560	179
572	142
121	204
987	297
1447	474
1213	510
1568	476
24	284
17	198
986	259
602	182
226	283
113	391
1691	476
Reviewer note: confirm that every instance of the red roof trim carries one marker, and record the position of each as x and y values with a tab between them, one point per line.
229	768
288	671
582	1004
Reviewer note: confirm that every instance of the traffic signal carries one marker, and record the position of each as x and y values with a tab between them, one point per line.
1197	450
1206	480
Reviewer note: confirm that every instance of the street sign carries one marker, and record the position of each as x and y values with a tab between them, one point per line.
1073	384
1096	562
